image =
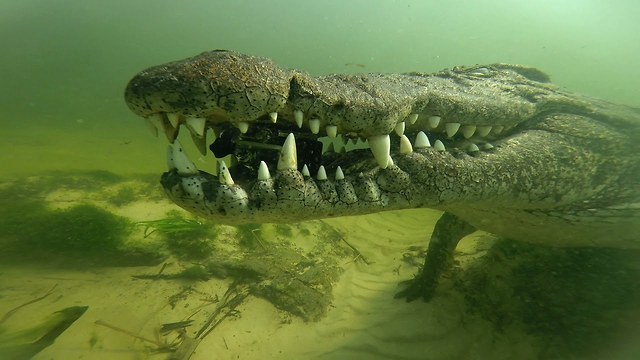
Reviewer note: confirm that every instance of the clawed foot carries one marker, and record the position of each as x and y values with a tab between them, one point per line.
416	288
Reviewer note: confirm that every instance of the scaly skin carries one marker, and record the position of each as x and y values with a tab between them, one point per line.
563	169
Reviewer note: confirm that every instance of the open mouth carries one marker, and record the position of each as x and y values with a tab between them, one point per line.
336	144
274	143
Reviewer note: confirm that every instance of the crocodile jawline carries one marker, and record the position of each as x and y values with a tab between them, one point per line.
497	147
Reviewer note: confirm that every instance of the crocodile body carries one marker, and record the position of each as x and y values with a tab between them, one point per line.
496	147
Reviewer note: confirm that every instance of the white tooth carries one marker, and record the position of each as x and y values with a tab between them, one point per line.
273	116
400	128
322	173
288	155
390	162
422	141
473	148
224	177
498	129
154	122
263	171
405	145
298	116
305	171
174	119
434	121
468	131
339	173
314	126
487	146
451	128
200	142
412	118
484	130
380	147
332	131
243	126
196	125
438	145
178	159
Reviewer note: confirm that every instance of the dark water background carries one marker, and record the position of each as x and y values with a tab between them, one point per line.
64	63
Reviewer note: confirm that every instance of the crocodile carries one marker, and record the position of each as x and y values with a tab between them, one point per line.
496	147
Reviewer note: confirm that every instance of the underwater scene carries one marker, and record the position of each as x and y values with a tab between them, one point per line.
320	179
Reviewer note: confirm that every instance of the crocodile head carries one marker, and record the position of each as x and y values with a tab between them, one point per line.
497	145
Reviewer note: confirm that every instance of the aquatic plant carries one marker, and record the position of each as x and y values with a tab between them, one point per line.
76	235
186	238
174	225
124	195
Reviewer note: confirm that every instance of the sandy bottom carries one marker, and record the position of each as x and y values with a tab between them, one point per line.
363	322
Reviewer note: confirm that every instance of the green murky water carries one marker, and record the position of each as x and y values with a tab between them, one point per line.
63	68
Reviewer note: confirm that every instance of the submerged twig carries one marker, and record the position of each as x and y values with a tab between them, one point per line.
233	297
179	325
358	253
10	313
159	344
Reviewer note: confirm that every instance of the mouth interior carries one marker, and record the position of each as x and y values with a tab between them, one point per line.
262	140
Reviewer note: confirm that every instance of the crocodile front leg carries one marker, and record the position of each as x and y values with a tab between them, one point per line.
449	230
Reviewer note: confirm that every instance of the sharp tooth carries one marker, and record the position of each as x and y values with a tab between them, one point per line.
224	177
473	148
154	122
451	128
468	131
314	126
196	125
405	145
178	159
400	128
263	171
484	130
487	146
434	121
412	119
273	116
422	141
174	119
339	173
322	174
243	127
298	116
288	155
498	129
200	142
438	145
305	171
380	147
332	131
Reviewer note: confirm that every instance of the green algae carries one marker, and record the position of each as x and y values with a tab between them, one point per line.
80	234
